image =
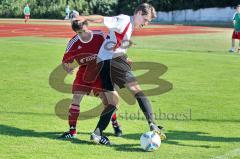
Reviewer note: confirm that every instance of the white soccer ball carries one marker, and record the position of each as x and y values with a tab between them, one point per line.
150	141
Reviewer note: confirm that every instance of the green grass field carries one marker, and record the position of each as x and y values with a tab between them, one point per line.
206	88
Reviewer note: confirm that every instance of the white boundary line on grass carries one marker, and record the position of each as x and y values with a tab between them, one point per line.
229	154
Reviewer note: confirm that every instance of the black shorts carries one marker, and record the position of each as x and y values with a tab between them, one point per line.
116	71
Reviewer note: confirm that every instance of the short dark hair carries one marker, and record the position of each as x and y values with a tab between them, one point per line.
147	9
77	25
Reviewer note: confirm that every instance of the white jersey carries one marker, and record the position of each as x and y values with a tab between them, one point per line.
120	31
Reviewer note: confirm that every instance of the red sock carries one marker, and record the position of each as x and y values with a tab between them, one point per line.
73	117
114	120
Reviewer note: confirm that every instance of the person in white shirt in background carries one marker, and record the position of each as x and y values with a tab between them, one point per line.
67	10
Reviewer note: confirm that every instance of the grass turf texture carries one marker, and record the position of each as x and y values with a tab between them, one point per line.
205	80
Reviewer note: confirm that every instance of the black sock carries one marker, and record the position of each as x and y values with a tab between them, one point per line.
145	106
104	119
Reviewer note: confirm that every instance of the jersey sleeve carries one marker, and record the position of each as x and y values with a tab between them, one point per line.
116	23
70	52
67	58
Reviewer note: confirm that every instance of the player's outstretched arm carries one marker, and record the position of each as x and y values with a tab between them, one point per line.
67	67
90	18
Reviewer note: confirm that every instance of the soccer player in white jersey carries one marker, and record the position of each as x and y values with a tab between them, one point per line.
115	68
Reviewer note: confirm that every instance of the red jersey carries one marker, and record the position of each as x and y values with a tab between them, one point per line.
82	51
85	53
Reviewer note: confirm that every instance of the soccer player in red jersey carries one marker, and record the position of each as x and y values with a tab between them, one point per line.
83	48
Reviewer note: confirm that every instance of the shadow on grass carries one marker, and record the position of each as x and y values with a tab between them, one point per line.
17	132
118	147
174	138
128	148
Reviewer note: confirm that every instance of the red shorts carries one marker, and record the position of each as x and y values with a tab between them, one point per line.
27	16
81	84
236	35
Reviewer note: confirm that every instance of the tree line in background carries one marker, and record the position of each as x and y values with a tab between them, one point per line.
55	9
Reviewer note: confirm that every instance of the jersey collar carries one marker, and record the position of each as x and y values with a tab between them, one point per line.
88	40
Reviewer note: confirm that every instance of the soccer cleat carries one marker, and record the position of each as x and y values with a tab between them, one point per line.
99	139
159	130
117	130
231	50
68	135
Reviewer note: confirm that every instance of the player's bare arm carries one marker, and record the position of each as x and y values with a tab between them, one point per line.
68	68
91	18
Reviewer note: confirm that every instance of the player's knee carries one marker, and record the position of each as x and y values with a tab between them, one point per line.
104	99
77	98
111	98
116	99
134	88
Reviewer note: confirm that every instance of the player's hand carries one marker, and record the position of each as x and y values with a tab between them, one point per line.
131	43
129	61
67	68
79	18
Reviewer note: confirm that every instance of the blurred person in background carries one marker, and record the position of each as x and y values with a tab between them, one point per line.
67	10
236	31
26	12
